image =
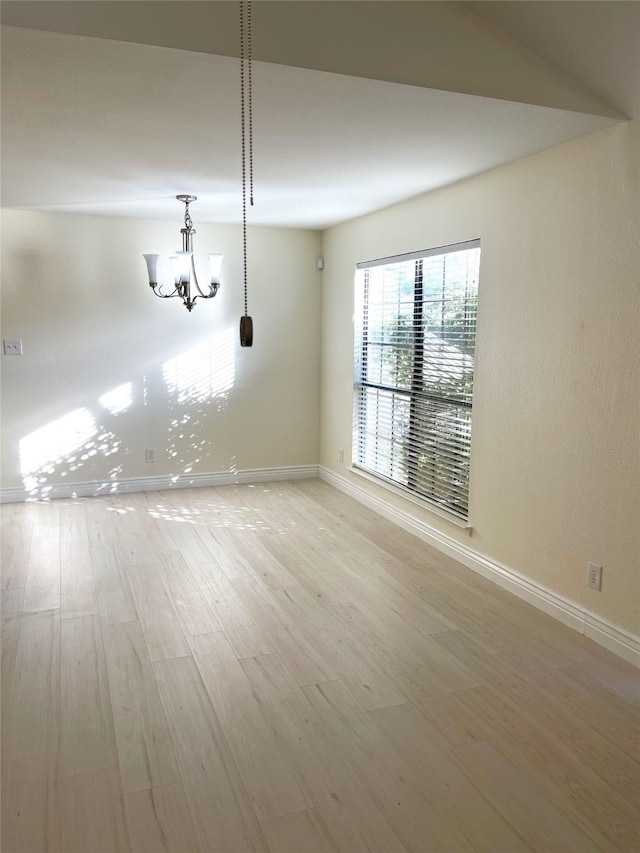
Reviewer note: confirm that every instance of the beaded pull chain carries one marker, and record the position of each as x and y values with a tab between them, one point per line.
246	121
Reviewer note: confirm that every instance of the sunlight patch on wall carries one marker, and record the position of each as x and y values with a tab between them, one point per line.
118	400
53	444
205	372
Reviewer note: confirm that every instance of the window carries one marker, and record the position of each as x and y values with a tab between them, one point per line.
414	353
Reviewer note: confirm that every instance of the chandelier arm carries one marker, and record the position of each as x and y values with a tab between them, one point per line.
214	290
157	289
197	283
190	301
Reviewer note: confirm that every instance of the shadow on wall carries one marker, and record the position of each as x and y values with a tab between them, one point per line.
196	384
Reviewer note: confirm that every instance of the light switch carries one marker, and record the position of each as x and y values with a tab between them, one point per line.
12	347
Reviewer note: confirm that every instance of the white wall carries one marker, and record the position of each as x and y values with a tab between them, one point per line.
554	471
554	478
74	289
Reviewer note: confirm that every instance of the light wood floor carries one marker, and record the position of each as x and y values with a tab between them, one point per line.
275	668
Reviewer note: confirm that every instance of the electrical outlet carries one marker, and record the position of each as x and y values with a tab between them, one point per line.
12	347
594	576
150	455
341	455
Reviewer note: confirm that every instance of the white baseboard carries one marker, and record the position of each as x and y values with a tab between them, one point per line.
149	484
617	640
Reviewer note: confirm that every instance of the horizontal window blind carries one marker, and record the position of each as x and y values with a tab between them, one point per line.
414	356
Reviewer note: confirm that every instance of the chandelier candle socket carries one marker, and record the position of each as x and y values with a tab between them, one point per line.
184	268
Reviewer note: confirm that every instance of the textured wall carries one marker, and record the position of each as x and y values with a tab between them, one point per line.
109	370
555	472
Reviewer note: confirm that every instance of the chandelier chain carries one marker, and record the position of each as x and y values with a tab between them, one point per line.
188	222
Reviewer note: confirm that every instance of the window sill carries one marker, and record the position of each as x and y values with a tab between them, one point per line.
423	504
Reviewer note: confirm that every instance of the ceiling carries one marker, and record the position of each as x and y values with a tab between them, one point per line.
115	107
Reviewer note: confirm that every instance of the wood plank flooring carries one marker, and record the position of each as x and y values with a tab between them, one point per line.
276	668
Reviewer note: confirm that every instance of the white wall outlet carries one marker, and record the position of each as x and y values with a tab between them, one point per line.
12	347
594	576
150	455
341	455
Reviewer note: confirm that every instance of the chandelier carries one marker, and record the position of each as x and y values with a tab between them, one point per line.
184	268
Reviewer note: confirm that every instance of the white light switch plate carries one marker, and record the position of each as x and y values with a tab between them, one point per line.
12	347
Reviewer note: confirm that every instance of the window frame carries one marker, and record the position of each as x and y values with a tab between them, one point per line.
416	393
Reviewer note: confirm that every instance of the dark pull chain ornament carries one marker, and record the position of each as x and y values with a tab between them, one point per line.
246	113
246	331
